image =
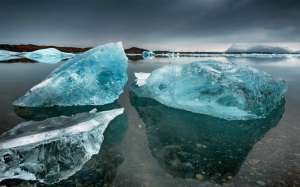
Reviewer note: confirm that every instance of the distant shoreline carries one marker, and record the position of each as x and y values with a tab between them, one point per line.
132	50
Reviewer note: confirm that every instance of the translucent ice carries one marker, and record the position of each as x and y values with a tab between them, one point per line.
223	90
49	55
54	149
96	77
8	55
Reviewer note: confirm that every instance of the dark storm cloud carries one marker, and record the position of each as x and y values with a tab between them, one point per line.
146	23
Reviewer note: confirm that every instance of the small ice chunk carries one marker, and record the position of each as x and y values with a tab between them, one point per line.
141	78
93	111
148	55
54	149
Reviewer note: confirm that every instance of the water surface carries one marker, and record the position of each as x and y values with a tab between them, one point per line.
154	145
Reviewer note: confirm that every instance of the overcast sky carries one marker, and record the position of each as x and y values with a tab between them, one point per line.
156	24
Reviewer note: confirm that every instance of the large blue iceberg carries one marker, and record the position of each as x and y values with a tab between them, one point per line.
223	90
9	55
54	149
96	77
49	55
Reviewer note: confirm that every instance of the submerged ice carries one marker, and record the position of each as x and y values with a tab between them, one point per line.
186	144
49	55
96	77
54	149
223	90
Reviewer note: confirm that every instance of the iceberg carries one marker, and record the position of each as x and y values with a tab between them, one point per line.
96	77
223	90
49	55
54	149
248	48
148	55
8	55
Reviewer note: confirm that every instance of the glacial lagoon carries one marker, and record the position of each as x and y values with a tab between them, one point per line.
155	145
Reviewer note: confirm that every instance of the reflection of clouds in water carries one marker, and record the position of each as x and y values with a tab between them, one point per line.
183	60
287	60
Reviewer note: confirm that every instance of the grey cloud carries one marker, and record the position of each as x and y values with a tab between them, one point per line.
142	23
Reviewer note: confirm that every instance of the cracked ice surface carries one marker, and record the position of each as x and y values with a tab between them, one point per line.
96	77
54	149
223	90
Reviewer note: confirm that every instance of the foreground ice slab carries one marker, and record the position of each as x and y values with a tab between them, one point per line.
54	149
223	90
8	55
49	55
96	77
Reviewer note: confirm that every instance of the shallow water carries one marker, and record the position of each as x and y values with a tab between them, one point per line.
153	145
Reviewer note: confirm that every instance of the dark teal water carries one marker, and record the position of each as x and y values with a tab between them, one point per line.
154	145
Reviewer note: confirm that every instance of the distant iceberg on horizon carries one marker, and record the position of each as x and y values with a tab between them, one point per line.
9	55
48	55
258	48
224	90
54	149
95	77
148	55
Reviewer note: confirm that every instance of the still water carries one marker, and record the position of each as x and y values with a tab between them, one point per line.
154	145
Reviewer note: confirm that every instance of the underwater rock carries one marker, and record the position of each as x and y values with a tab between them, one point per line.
224	90
96	77
54	149
49	55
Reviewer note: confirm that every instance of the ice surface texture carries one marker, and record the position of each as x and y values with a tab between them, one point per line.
49	55
223	90
53	149
8	55
96	77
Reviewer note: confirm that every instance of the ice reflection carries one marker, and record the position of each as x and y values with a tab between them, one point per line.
192	145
